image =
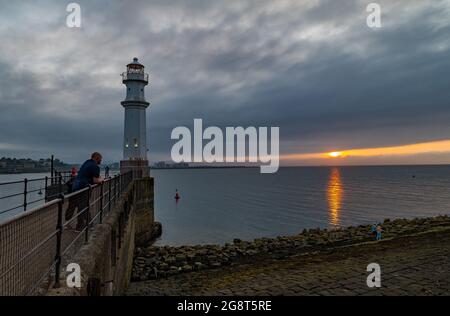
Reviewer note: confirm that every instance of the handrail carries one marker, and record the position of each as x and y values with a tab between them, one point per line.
28	186
52	186
15	267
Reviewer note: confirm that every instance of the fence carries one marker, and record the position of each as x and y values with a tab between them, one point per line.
25	194
35	245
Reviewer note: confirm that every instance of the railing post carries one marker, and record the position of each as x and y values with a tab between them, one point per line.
109	196
115	190
101	203
52	171
59	228
25	192
60	180
46	185
88	216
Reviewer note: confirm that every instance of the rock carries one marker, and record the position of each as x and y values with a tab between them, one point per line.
186	268
164	266
216	265
171	260
199	266
212	258
202	252
190	256
180	258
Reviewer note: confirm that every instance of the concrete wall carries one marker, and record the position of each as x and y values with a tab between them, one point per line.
107	260
146	230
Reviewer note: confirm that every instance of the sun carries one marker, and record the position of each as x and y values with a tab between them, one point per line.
335	154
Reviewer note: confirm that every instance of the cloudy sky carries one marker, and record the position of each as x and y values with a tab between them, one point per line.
311	67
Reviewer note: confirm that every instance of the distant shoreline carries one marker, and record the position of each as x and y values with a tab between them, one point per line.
22	172
287	167
243	167
206	167
38	172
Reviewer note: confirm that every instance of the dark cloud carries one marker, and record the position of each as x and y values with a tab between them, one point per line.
313	68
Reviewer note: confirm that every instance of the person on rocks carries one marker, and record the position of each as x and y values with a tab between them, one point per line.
379	232
373	230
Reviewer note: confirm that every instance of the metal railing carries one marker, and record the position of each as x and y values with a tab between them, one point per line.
35	245
20	195
135	76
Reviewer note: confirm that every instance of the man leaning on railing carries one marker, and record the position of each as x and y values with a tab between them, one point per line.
89	174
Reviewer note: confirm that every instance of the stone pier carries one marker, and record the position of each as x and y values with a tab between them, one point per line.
106	261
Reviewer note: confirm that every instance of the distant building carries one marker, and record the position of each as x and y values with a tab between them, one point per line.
181	165
29	165
14	165
160	165
165	165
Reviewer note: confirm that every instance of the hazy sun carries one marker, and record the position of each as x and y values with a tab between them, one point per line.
335	154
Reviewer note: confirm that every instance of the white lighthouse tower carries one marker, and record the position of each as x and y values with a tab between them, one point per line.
135	135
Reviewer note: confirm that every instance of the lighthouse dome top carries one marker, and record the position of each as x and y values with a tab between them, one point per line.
135	64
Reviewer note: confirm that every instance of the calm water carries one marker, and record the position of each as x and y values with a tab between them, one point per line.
32	197
218	205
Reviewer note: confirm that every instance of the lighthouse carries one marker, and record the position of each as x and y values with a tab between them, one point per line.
135	130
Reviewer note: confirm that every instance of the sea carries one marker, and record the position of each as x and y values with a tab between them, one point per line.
219	205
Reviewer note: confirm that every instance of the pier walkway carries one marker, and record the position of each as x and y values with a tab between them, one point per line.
95	228
412	265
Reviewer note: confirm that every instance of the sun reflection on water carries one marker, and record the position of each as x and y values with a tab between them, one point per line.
335	192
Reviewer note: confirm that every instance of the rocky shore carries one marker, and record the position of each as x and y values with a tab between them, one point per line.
161	262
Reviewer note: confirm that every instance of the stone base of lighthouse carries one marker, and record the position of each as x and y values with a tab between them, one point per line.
139	168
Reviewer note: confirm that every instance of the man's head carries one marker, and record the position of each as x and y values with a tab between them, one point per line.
97	157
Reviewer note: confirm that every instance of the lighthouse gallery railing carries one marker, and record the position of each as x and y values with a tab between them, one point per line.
135	76
35	245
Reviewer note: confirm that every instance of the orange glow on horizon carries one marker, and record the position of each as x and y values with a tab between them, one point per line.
404	150
335	154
